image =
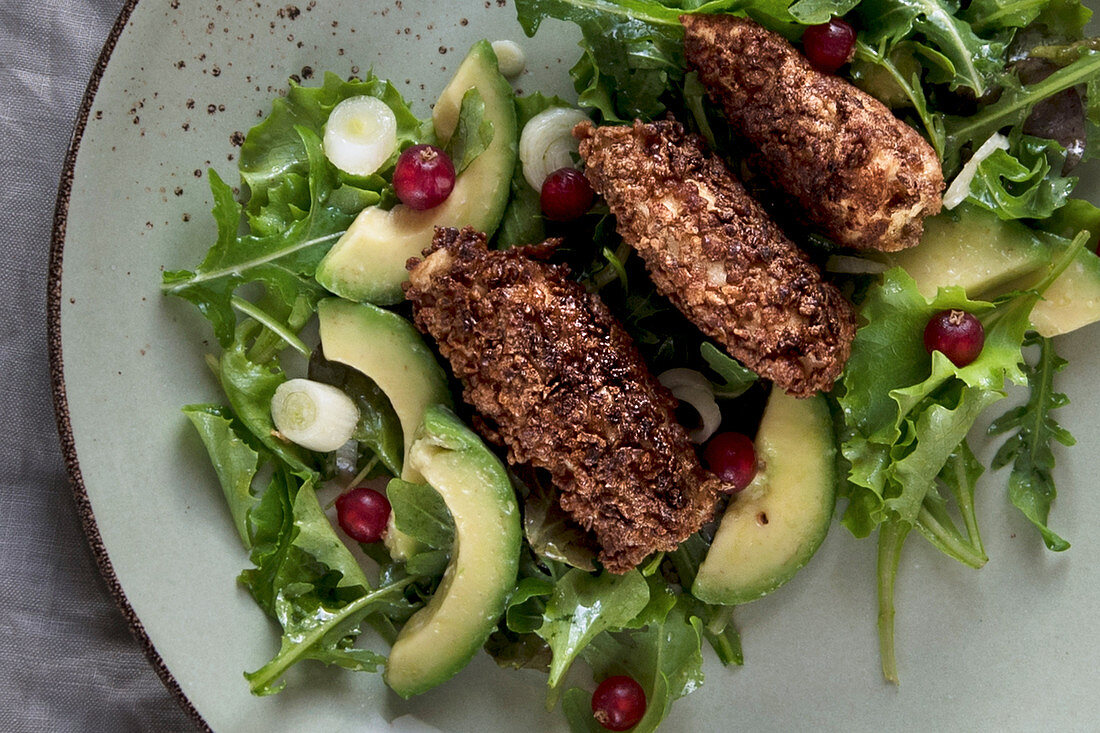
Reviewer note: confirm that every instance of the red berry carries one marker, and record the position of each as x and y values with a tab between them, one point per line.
566	194
958	334
423	177
362	514
732	458
618	703
830	45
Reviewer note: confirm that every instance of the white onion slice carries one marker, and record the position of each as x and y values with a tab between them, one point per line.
511	60
360	135
314	415
547	143
690	386
960	187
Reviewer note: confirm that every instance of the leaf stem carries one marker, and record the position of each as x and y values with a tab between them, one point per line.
271	324
891	537
948	541
175	287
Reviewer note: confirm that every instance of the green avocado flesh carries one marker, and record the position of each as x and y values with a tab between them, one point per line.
368	262
388	349
773	527
972	248
441	638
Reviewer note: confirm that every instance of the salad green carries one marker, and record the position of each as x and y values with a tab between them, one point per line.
903	419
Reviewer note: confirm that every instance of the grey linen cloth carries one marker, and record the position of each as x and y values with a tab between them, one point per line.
67	659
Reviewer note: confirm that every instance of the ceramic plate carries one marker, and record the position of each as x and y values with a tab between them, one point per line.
1013	646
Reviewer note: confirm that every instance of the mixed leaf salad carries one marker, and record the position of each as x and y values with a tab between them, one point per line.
1006	93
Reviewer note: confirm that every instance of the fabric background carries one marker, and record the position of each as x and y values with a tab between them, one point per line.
67	659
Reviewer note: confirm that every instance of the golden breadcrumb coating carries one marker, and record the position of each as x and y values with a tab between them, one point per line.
558	381
714	252
861	175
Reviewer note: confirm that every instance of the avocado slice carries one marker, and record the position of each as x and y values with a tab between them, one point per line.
368	261
773	527
389	350
1071	301
441	638
973	248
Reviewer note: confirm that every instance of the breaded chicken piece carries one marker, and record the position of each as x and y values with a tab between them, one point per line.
558	381
861	175
715	253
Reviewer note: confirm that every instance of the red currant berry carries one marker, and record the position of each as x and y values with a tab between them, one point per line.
732	458
958	334
363	514
566	194
618	703
830	45
423	177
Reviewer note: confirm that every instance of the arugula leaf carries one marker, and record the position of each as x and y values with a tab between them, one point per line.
274	160
250	387
813	12
736	378
473	132
420	512
311	584
1023	182
234	460
1031	482
313	630
1014	105
989	15
549	530
665	658
893	77
976	60
284	262
632	49
582	607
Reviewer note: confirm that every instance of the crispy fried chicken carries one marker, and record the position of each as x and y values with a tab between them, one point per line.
558	381
859	174
714	252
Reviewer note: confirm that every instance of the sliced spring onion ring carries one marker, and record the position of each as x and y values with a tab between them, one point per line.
547	143
960	187
360	135
314	415
690	386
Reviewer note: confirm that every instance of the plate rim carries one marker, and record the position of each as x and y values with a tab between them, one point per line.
57	374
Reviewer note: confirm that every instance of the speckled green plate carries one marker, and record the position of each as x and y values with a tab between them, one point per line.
1012	647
